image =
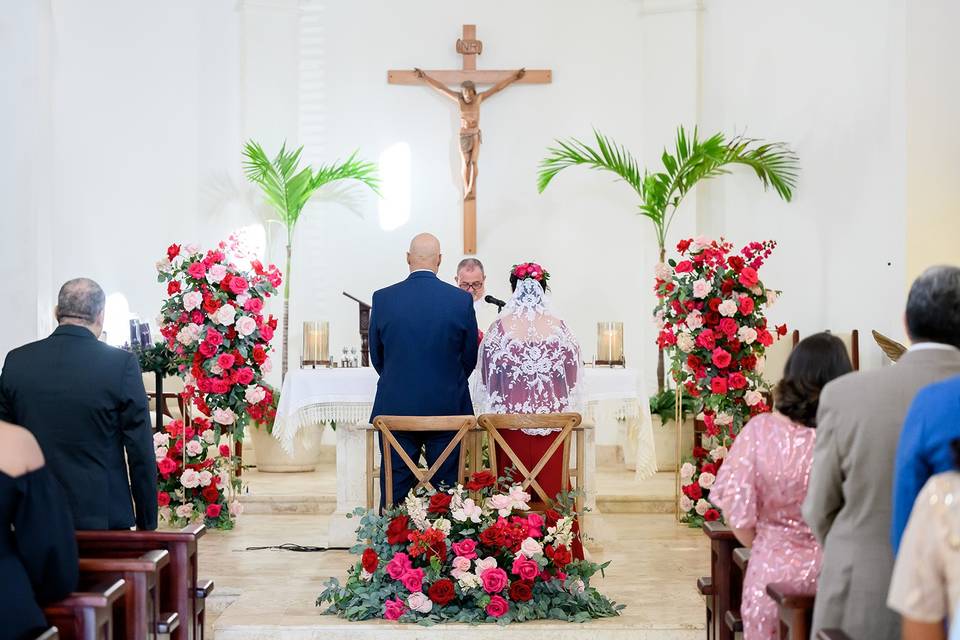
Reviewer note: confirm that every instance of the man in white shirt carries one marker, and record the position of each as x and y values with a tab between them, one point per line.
472	279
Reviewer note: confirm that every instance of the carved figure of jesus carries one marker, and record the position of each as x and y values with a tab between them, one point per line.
469	101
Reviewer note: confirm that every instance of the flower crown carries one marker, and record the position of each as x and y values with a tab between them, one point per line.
530	270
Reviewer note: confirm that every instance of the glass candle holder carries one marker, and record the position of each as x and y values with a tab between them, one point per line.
316	342
610	343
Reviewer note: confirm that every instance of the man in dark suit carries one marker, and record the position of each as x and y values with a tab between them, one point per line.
423	343
85	403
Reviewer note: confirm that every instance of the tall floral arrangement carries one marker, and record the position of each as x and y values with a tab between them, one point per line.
213	322
468	554
711	318
196	482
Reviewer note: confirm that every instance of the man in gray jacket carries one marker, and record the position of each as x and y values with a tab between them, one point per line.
848	504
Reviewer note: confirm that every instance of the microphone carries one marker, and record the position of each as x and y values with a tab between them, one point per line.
491	300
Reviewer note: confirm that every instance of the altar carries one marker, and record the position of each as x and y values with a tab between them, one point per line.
615	404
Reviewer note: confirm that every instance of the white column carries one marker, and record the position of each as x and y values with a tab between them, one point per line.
351	484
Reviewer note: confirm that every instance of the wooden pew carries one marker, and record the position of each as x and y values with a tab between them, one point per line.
732	617
181	591
796	610
722	545
87	614
138	614
705	589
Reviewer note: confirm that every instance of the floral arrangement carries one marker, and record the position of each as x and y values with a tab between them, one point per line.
470	554
194	470
268	413
213	323
530	270
711	317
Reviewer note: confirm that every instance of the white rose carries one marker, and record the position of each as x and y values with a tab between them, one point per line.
702	506
253	395
686	504
771	297
242	300
483	564
160	452
192	300
723	418
687	471
578	586
161	440
246	325
442	524
184	511
468	581
752	398
164	266
530	547
213	451
205	477
224	416
658	319
225	315
236	508
418	601
190	479
194	448
685	342
728	308
216	273
164	514
701	288
747	335
188	334
209	436
706	480
761	363
718	453
663	271
694	319
192	248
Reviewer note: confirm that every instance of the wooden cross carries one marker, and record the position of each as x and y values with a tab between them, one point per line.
469	101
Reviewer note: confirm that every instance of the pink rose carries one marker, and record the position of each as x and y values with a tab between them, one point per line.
214	337
526	568
253	305
461	565
238	285
494	580
245	375
465	548
398	566
197	270
393	609
246	325
534	525
225	360
413	579
748	277
721	358
497	607
266	332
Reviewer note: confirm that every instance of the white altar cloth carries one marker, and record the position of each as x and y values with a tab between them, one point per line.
615	400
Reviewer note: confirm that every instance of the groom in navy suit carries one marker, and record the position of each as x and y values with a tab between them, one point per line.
423	343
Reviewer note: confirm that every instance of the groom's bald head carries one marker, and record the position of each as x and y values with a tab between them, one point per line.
424	253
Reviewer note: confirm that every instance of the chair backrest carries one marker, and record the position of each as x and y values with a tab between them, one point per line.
776	357
565	422
851	340
386	425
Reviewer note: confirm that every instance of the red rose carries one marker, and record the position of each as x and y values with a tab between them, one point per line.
781	329
728	326
748	277
560	555
207	350
481	480
225	450
173	251
439	503
238	285
711	515
441	592
521	591
706	339
727	287
746	305
764	337
718	385
210	305
684	267
693	491
196	317
225	360
210	493
369	560
714	304
266	332
173	287
214	337
219	385
736	262
699	453
694	362
683	245
213	510
245	375
163	498
709	467
721	358
253	305
736	381
166	466
259	354
398	531
552	517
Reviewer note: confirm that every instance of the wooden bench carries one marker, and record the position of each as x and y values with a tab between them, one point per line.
181	591
732	617
705	589
796	610
138	612
722	545
86	614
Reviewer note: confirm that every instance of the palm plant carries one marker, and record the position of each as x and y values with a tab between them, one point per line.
288	188
692	160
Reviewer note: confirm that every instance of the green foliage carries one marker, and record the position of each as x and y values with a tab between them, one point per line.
156	358
692	160
664	404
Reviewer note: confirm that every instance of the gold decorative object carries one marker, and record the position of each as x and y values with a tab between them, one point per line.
892	348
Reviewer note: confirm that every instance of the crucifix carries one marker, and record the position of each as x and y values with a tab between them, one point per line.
469	101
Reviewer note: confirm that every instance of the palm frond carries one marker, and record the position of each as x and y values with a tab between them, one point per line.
606	156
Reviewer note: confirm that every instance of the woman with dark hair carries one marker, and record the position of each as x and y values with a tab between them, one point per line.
763	481
925	588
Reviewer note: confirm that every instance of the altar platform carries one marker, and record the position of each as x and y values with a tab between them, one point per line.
271	594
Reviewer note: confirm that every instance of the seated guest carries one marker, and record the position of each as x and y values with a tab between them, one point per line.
849	501
38	550
926	578
931	424
85	403
763	481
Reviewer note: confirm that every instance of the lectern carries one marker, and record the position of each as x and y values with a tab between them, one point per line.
364	330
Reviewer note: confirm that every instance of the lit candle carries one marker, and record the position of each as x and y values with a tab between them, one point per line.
316	342
610	342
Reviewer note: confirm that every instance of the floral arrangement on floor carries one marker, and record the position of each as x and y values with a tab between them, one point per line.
213	322
195	476
711	317
470	554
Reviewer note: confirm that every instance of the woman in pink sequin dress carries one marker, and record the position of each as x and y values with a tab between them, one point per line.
762	483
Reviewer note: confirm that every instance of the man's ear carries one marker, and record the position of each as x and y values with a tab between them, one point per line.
56	313
100	317
408	258
439	260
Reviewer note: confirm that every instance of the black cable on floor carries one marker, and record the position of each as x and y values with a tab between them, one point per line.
299	548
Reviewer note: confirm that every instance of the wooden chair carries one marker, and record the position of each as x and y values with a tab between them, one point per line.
722	545
139	614
567	423
796	610
86	614
386	425
851	341
181	591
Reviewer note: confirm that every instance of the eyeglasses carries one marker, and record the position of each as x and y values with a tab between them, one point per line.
471	286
